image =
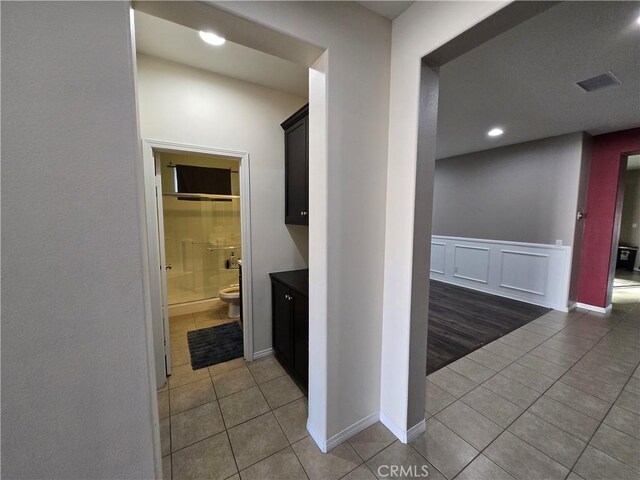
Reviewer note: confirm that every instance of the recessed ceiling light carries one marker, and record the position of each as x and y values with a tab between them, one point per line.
495	132
638	20
212	39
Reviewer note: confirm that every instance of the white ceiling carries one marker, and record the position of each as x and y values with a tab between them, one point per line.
524	81
389	10
170	41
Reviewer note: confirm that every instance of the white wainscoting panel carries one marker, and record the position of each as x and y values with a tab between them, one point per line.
471	263
438	257
530	272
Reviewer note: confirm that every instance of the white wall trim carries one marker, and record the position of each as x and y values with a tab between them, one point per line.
345	434
405	436
267	352
594	308
528	272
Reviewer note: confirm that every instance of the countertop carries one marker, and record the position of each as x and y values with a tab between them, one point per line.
297	280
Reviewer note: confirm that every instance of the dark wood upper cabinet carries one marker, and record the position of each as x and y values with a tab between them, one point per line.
296	161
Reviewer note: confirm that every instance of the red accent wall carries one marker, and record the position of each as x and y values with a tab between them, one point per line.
602	193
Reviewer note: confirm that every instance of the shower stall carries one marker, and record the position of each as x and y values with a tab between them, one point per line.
202	236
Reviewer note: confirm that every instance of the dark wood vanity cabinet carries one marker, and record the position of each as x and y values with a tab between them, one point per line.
296	161
290	322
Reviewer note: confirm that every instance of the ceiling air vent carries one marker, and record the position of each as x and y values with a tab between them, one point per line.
598	82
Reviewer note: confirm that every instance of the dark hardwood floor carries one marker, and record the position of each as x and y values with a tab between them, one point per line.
463	320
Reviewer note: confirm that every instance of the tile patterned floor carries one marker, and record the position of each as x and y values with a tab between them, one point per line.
557	398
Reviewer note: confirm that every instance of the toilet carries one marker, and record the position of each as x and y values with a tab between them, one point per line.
231	295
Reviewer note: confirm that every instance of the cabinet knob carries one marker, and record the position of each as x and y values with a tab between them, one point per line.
304	213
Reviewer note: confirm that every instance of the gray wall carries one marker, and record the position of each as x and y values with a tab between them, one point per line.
76	392
526	192
631	210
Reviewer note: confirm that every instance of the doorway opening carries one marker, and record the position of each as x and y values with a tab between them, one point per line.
625	261
201	212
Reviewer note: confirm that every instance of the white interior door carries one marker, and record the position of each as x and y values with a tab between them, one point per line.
163	267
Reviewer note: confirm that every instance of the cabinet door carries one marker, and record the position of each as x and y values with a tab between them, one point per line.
300	313
296	168
281	304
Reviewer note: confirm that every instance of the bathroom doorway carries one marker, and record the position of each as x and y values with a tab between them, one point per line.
198	218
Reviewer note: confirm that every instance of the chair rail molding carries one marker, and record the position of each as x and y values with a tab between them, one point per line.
530	272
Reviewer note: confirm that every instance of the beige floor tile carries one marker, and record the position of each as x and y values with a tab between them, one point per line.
242	406
474	428
542	366
191	395
472	370
565	359
597	388
451	382
398	455
292	417
435	398
166	467
326	466
597	465
527	377
180	357
504	350
208	316
511	390
256	439
492	406
523	461
629	401
545	330
163	404
233	381
283	465
618	445
165	436
568	419
196	424
266	369
177	319
579	400
445	450
211	459
210	323
184	374
280	391
220	368
549	439
363	472
490	360
624	420
483	469
372	440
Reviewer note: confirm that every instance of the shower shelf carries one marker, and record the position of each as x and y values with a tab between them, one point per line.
210	247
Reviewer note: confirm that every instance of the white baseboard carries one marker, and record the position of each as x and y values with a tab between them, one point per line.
193	307
572	306
344	435
594	308
405	436
267	352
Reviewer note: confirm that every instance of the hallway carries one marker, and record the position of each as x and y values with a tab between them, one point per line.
556	398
